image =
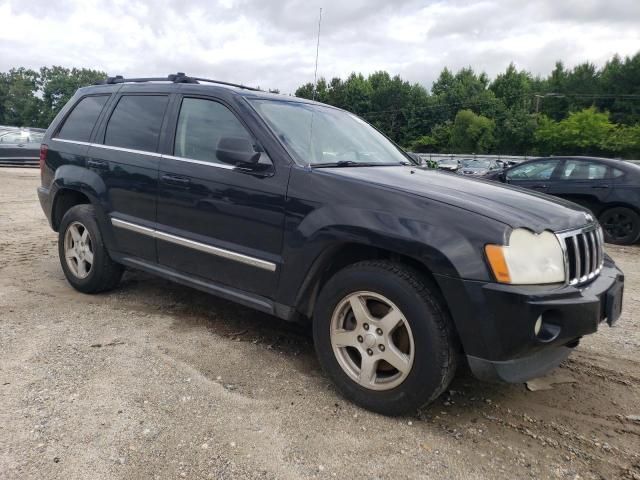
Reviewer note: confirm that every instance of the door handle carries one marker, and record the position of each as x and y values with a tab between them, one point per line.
600	186
176	180
539	186
98	164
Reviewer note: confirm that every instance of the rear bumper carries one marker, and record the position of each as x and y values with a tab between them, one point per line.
44	195
497	322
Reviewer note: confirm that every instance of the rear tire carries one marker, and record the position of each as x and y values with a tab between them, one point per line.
621	225
83	255
421	346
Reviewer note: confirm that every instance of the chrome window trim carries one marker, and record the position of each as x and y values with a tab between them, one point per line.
203	247
151	154
199	162
76	142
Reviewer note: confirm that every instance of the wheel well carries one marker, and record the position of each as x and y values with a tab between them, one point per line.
609	206
334	260
65	199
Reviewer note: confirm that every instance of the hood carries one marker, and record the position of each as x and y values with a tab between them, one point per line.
510	205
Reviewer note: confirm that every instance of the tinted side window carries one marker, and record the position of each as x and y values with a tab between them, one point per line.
581	170
533	171
135	122
80	122
201	124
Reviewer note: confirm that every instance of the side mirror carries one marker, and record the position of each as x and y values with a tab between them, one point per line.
503	177
236	151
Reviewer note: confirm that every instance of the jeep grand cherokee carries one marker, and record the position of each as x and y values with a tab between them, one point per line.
306	212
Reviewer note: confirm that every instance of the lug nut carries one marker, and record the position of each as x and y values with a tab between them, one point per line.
379	331
369	351
366	326
360	339
381	347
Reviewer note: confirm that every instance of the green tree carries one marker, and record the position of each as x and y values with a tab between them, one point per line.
586	132
472	133
58	84
18	94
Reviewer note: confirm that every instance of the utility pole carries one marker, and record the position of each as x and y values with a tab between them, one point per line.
315	74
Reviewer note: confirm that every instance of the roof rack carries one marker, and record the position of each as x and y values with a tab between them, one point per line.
179	77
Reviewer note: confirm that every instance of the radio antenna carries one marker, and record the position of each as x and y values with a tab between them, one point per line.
315	74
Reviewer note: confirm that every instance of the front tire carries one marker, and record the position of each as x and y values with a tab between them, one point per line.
621	225
83	255
383	335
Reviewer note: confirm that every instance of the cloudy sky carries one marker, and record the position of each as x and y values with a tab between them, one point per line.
271	43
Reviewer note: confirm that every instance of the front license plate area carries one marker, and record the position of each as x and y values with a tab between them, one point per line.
613	305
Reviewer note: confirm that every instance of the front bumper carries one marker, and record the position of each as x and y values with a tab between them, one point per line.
496	322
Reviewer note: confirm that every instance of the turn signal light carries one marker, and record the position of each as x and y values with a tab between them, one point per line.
495	255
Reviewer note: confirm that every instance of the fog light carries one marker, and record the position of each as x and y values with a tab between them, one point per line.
538	326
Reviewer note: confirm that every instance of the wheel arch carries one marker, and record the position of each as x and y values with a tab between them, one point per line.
339	256
65	199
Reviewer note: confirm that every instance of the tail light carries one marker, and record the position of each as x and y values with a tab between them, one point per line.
43	155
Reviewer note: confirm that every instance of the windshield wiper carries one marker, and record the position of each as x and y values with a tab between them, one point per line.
352	163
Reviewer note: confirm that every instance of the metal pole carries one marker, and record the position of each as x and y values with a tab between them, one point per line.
315	74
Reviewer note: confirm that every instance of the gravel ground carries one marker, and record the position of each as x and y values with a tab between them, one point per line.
155	380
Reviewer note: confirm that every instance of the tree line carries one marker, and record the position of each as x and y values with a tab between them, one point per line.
584	110
32	98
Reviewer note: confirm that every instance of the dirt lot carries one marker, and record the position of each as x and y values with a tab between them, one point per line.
155	380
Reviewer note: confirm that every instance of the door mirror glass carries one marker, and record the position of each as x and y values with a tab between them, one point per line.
236	151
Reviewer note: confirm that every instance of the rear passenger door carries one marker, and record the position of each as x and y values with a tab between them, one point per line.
586	182
216	221
125	155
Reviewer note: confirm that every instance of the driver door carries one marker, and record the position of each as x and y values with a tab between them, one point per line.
218	222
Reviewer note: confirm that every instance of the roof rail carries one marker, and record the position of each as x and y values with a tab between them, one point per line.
179	77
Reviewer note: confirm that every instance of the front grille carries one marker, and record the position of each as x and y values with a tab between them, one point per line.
583	253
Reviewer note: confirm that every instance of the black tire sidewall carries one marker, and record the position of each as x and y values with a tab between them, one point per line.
633	236
431	352
85	215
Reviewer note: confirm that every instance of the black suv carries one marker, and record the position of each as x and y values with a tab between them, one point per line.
306	212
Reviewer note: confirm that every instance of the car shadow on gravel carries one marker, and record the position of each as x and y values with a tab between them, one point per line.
194	309
147	294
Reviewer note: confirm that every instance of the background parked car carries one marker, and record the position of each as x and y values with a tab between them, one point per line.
20	146
449	164
609	188
478	166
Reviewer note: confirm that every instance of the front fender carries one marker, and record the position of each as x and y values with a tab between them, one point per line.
448	241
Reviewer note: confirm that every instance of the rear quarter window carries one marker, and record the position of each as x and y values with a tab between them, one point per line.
136	121
80	122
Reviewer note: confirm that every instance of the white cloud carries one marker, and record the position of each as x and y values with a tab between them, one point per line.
272	43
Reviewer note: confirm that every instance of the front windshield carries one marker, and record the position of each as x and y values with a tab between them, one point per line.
476	163
318	135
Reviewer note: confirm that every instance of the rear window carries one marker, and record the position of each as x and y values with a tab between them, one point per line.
136	121
81	120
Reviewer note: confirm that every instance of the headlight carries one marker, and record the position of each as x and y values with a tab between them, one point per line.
528	259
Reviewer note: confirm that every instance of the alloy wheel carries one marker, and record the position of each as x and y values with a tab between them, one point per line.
617	225
372	340
78	250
